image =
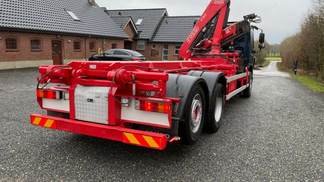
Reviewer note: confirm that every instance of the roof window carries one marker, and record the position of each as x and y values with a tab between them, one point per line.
73	15
139	21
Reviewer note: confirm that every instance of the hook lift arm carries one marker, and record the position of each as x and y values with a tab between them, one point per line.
212	33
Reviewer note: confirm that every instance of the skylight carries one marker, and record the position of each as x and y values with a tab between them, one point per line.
73	15
139	21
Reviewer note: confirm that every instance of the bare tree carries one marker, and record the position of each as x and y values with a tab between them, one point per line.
308	45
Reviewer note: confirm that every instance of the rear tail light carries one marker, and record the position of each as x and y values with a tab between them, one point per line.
136	59
49	94
144	105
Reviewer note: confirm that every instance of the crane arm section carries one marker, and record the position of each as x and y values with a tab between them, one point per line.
215	15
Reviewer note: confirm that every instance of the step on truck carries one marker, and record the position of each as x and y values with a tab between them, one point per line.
153	103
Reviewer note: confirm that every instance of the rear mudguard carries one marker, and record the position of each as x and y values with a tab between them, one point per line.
179	86
211	78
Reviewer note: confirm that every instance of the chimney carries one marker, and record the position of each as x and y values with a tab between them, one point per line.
92	2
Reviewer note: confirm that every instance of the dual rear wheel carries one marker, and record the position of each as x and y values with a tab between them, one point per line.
195	115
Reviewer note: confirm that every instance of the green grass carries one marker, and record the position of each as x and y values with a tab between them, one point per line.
273	58
268	59
279	67
310	82
266	63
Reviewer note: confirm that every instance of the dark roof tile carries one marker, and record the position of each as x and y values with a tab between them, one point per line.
151	19
52	16
174	29
121	21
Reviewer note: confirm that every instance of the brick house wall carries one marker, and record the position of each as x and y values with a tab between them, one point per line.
25	57
156	54
129	30
109	44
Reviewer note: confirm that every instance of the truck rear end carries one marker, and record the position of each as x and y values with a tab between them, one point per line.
153	103
94	102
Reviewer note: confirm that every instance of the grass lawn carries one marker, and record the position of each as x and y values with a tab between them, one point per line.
310	82
268	59
273	58
266	63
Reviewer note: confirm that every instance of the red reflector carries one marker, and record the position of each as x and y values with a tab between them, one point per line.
166	108
43	122
143	140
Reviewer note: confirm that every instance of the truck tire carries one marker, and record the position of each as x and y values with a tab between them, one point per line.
248	91
194	114
215	112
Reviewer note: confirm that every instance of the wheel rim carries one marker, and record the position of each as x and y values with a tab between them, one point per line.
218	107
196	113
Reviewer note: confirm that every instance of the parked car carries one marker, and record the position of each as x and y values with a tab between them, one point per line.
118	55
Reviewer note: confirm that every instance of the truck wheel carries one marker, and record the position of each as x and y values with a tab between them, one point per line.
215	112
248	91
194	114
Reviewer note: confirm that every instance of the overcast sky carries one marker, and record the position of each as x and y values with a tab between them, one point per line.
280	18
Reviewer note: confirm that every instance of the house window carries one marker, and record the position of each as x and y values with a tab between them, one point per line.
165	52
35	45
73	16
11	44
113	46
176	49
153	46
140	45
138	22
92	46
77	46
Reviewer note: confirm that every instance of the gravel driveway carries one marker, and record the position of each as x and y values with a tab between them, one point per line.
276	135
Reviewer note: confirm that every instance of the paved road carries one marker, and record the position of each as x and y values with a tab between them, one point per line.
276	135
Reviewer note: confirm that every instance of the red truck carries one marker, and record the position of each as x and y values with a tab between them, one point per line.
153	103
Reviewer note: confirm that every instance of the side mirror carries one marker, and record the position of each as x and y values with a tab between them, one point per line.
261	46
261	38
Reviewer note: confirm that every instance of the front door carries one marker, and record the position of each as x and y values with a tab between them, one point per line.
57	52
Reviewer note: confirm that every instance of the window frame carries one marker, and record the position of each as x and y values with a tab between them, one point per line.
77	50
73	15
139	22
153	46
175	49
163	52
138	44
16	43
40	45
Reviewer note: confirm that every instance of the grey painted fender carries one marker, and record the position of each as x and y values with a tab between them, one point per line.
211	78
179	86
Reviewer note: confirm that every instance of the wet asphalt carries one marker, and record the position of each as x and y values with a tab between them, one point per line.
276	135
